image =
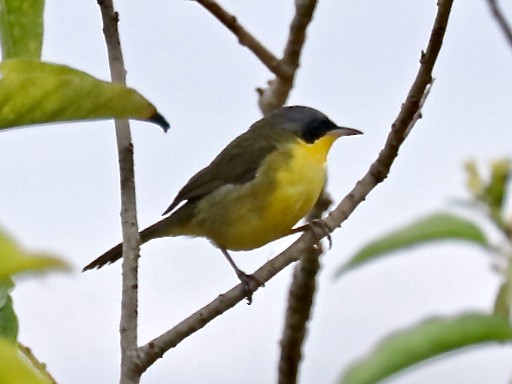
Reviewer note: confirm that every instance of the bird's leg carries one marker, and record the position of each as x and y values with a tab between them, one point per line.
249	282
319	227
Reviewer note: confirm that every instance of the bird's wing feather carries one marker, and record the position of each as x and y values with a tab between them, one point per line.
236	164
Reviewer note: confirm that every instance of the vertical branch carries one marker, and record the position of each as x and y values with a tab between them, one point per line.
300	303
130	371
275	95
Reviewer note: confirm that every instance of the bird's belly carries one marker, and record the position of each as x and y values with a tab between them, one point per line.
244	217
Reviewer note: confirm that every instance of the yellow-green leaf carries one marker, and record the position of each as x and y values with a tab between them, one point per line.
15	369
21	28
423	341
33	92
14	259
437	227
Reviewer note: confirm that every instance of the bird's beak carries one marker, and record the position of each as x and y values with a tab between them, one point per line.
344	131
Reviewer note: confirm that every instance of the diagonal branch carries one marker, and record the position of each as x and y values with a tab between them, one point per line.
377	172
401	126
279	88
506	28
156	348
245	38
130	374
36	363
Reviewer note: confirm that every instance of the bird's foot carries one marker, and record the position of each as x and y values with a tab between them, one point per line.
249	283
319	228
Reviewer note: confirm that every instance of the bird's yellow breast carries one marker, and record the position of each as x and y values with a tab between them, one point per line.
286	187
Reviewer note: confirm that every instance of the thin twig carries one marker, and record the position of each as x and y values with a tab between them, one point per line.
276	94
377	172
506	28
245	38
40	366
418	115
130	372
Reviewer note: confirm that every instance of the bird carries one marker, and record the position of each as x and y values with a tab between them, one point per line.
255	190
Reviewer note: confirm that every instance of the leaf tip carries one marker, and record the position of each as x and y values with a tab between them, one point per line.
340	272
160	120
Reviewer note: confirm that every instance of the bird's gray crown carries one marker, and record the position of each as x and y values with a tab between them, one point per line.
307	123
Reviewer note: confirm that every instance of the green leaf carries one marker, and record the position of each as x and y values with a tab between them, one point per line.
424	341
8	322
495	191
15	368
439	226
503	301
14	259
474	181
8	319
21	28
33	92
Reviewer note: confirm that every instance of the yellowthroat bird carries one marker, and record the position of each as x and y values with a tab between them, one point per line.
255	190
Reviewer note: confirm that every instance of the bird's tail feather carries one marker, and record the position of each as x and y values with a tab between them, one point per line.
170	226
113	254
116	252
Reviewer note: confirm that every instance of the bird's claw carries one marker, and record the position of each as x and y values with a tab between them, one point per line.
319	228
250	284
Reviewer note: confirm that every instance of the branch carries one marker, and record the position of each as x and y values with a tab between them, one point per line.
409	114
245	38
38	365
156	348
417	116
378	171
300	301
276	94
500	19
130	373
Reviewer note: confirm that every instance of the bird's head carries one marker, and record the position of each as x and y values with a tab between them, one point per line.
309	124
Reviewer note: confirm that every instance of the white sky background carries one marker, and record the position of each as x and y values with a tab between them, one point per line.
60	186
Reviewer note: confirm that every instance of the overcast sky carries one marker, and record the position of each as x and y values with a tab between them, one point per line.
60	186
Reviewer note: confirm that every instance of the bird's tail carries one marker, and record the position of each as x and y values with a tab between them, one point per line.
116	252
113	254
174	225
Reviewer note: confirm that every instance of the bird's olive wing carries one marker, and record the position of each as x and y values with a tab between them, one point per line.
236	164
